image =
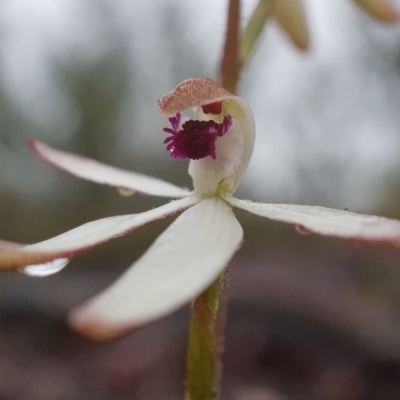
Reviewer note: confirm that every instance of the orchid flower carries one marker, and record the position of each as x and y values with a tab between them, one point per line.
291	16
198	245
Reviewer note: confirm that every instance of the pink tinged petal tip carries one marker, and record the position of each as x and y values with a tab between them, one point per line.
48	256
328	221
15	255
94	171
196	139
181	263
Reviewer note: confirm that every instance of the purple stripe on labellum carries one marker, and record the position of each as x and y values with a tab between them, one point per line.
195	139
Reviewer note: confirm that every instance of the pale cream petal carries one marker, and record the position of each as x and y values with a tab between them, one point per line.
208	173
328	221
95	171
291	16
383	10
181	263
83	238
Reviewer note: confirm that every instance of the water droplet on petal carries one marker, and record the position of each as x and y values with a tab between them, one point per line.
45	269
125	192
302	229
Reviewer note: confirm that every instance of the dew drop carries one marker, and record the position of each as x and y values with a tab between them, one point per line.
302	229
125	192
45	269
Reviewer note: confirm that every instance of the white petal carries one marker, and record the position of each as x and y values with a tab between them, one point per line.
84	237
328	221
95	171
208	173
181	263
233	151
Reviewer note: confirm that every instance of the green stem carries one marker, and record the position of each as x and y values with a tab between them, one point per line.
205	343
240	45
207	321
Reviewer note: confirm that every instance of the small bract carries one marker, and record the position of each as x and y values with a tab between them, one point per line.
291	16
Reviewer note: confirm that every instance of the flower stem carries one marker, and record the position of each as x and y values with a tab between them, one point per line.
205	343
230	65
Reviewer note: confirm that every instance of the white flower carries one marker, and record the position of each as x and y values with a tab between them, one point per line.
198	245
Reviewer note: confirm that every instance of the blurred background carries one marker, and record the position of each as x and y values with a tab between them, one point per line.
309	317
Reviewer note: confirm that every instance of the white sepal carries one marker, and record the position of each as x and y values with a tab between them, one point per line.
84	237
97	172
328	221
181	263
